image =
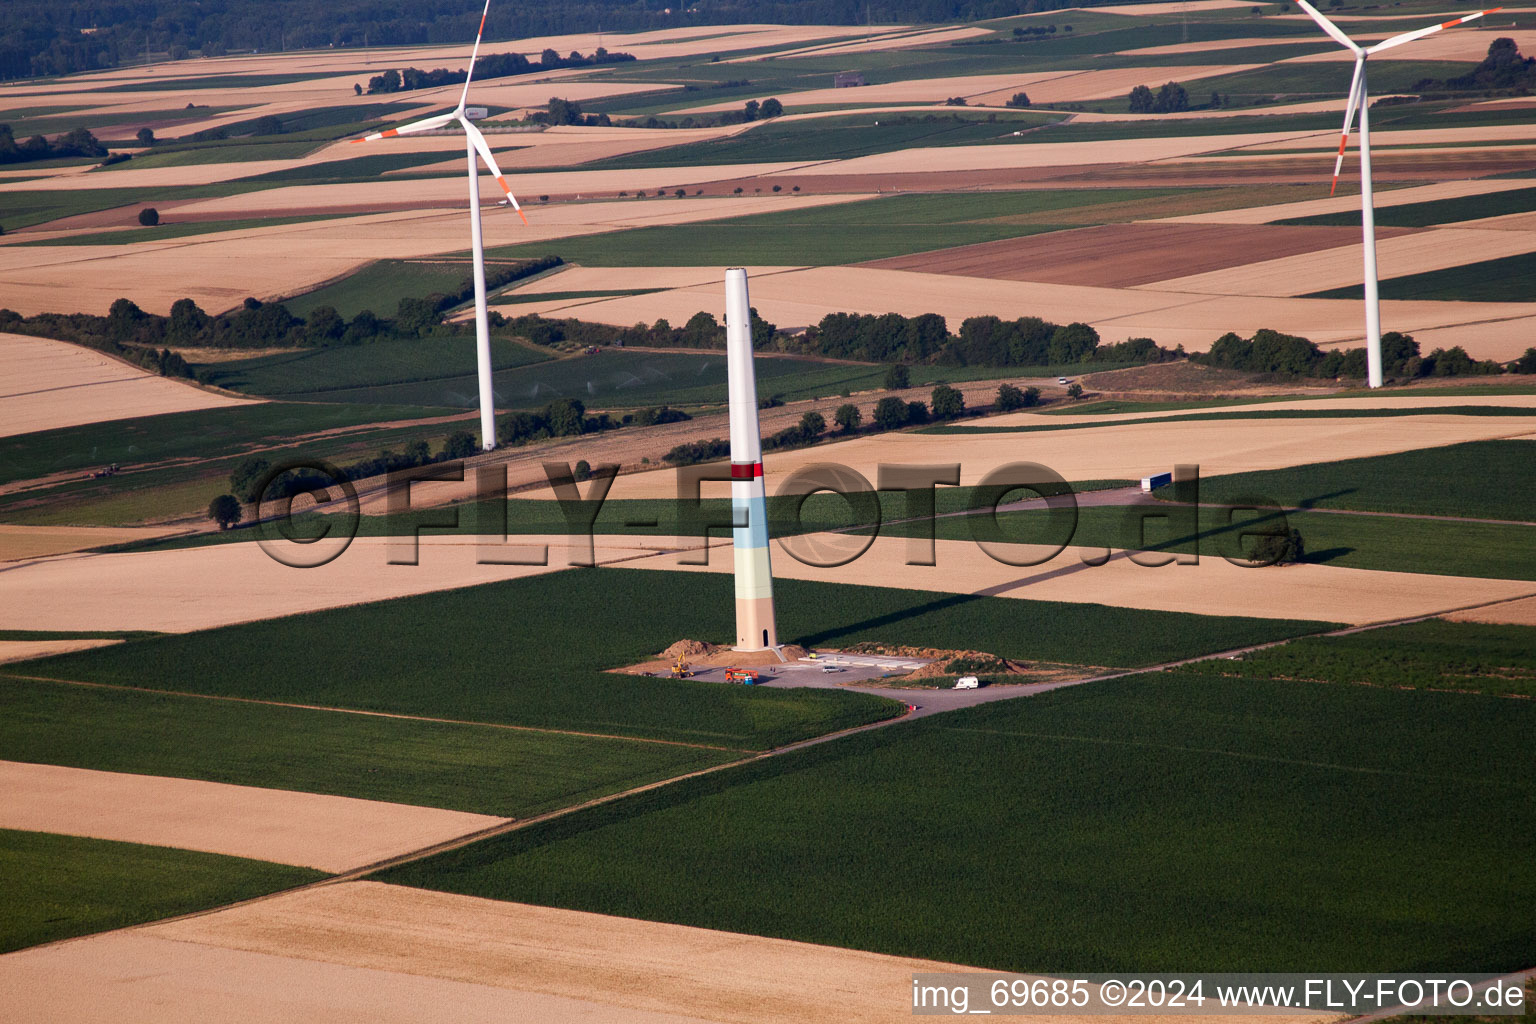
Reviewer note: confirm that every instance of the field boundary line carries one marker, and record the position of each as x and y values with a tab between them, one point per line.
366	713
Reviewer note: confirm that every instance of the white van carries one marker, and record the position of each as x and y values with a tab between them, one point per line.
967	683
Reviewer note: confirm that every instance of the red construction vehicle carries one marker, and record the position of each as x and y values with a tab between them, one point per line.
744	676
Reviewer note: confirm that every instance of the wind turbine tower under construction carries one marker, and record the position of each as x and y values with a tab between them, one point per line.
755	626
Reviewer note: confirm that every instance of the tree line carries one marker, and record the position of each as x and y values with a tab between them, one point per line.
890	413
1503	70
79	142
492	65
1291	357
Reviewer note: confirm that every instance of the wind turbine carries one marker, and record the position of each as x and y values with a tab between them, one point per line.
475	146
1358	98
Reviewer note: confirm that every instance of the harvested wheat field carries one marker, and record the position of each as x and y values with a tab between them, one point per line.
872	44
1213	587
1421	398
47	384
802	297
26	650
1399	252
1123	255
568	146
369	951
573	278
1469	43
1130	450
1499	339
1381	139
218	269
1510	613
197	588
329	833
19	542
1043	154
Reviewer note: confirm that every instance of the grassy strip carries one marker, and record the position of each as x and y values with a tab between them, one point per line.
1435	654
173	229
1249	414
1510	279
1108	827
477	768
1477	479
317	371
62	886
200	434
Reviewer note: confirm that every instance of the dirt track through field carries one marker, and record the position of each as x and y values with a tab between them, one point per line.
1123	255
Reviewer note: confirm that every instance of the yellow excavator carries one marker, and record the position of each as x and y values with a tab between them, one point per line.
681	669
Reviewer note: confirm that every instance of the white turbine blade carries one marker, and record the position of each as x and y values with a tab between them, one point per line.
1329	27
1408	37
490	161
425	124
464	96
1349	119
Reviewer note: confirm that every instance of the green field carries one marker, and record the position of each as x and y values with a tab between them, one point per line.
202	434
524	652
1434	654
1510	279
1479	479
168	229
460	766
1319	81
1437	211
828	235
546	668
828	138
1342	413
630	378
61	886
381	285
314	371
1390	543
1146	823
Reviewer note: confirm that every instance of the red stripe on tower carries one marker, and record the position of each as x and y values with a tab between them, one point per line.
746	470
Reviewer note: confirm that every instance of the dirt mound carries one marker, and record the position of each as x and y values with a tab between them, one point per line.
690	649
700	654
943	662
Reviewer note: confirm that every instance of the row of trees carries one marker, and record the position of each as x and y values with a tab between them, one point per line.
887	338
79	142
492	65
890	413
1292	357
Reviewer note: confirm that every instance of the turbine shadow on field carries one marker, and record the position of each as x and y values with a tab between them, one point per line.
938	604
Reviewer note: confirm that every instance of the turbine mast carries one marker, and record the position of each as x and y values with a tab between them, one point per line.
482	324
755	626
1368	231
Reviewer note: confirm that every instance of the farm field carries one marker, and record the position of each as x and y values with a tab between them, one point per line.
75	885
1118	781
469	767
313	372
1480	479
555	683
1170	764
1497	280
98	388
1465	657
1385	543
